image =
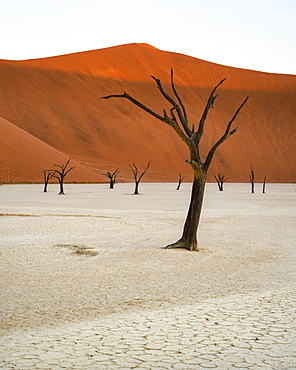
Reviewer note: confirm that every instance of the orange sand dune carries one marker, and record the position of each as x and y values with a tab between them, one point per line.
24	157
57	101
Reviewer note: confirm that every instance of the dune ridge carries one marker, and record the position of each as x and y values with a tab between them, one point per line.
56	100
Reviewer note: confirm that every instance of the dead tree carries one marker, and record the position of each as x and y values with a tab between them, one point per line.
191	136
181	179
60	174
112	177
138	178
47	175
252	180
221	179
264	185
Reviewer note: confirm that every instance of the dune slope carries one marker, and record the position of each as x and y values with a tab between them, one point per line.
24	157
57	101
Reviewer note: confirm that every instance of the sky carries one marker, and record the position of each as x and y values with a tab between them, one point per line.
250	34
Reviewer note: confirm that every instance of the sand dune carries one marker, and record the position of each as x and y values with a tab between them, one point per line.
57	101
24	157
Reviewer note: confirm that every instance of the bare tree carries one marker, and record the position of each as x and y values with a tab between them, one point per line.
264	185
221	178
191	136
112	177
252	180
60	174
47	175
181	179
138	177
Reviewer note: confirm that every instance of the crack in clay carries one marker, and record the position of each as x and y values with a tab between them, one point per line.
53	215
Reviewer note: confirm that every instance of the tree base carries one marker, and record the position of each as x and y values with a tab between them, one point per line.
181	244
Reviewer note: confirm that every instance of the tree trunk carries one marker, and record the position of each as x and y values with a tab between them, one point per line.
189	237
253	188
46	176
136	192
252	180
264	184
111	185
61	188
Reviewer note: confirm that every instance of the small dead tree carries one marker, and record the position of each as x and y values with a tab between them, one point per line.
221	179
181	179
252	180
60	173
264	185
112	177
138	177
47	175
191	136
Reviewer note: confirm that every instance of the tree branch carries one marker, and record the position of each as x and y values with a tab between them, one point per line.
135	170
136	102
209	105
70	169
181	114
146	169
48	174
177	95
182	117
225	136
111	176
171	122
167	97
235	114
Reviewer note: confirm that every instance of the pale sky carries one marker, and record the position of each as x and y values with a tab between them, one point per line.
252	34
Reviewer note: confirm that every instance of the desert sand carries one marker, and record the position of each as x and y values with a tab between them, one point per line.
86	283
23	156
56	100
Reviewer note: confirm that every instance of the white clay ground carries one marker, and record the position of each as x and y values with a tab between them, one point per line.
85	283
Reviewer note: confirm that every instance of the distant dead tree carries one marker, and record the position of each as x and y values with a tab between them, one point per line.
252	180
47	175
112	177
177	118
60	174
221	179
181	179
138	177
264	185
